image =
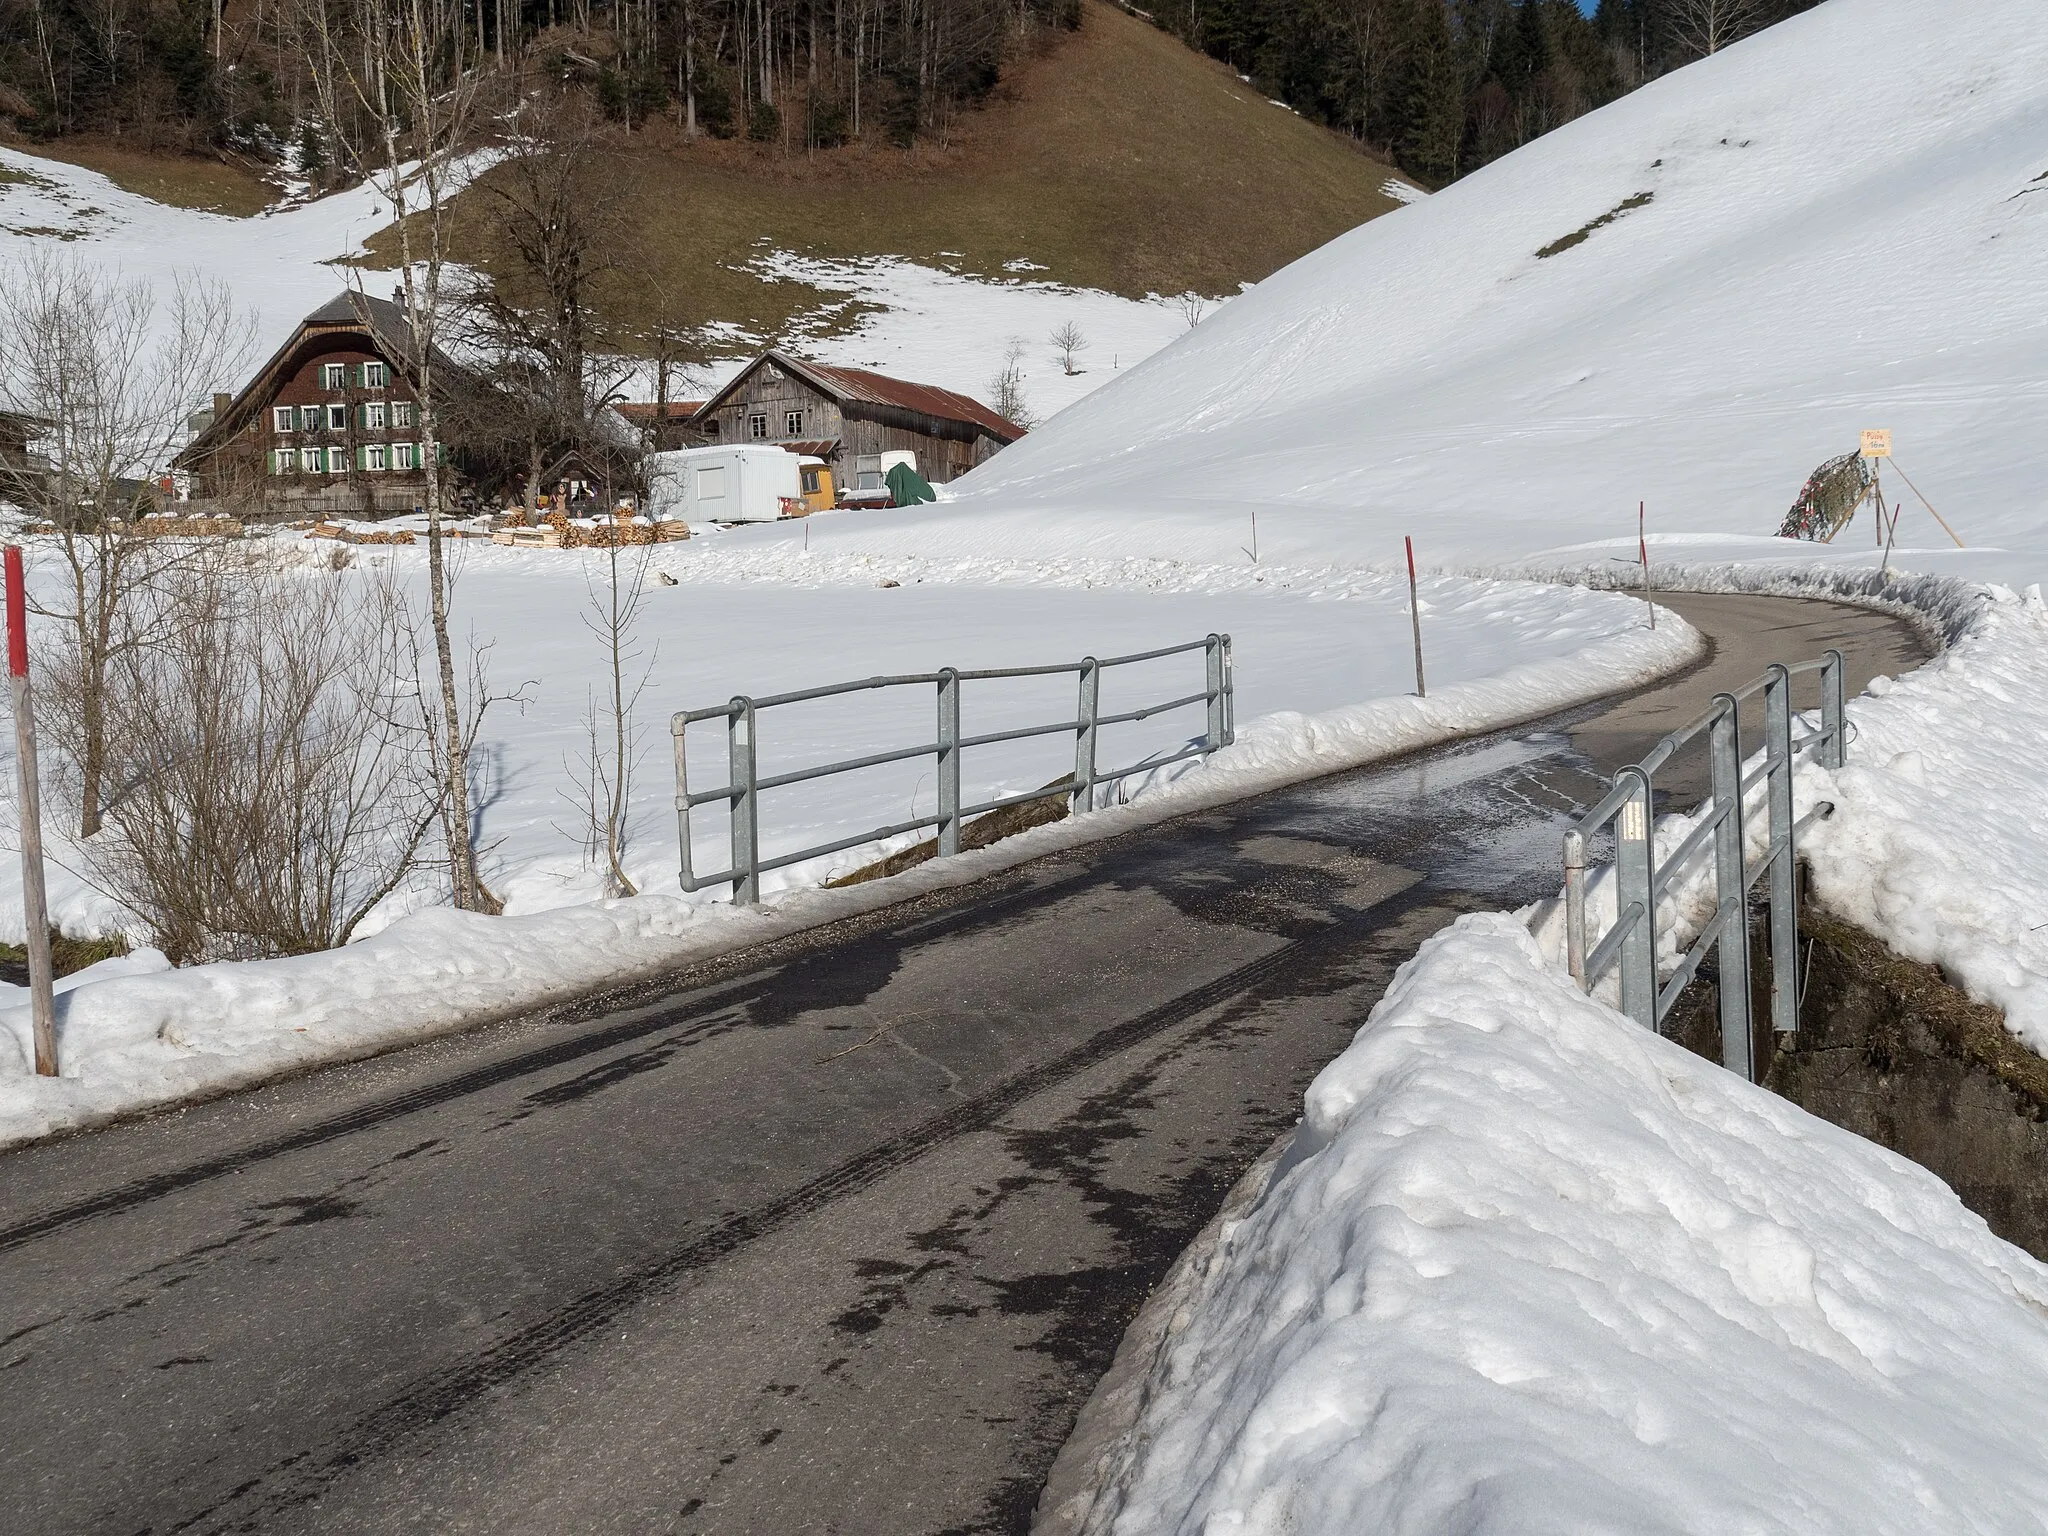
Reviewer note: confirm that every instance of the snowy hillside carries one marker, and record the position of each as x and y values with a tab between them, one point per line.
1840	223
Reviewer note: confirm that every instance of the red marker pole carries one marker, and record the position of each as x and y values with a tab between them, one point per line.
1415	618
1643	548
35	907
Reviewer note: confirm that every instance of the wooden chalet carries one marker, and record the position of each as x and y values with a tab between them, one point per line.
21	467
330	424
842	415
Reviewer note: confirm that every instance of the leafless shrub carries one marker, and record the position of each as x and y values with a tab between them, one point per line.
1192	306
269	781
1070	344
603	779
1006	387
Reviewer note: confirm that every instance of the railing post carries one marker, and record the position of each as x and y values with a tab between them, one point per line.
746	837
1575	905
1229	696
1635	879
1084	736
677	725
1784	856
1731	891
949	762
1834	717
1212	655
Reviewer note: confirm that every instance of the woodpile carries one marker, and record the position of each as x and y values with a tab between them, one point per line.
189	528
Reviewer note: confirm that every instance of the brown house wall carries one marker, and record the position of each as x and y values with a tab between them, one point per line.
241	469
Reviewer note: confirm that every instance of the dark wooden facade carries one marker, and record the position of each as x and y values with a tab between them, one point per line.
843	414
330	424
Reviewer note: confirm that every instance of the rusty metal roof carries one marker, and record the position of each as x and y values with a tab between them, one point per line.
641	412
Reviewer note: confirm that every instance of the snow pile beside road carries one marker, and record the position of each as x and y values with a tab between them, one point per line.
1939	841
1531	1269
147	1040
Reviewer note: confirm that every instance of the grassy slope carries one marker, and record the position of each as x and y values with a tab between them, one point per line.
179	181
1117	159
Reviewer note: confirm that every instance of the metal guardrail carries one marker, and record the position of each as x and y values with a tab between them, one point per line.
1641	879
744	785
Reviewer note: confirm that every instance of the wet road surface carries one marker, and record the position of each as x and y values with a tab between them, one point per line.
833	1235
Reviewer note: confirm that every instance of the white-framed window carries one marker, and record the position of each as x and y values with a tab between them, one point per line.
373	415
284	460
404	456
792	423
373	455
337	418
402	413
283	418
309	418
757	425
334	375
376	376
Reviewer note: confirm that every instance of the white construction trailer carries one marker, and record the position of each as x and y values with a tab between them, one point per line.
724	485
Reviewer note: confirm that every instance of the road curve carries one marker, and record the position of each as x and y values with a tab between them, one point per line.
834	1235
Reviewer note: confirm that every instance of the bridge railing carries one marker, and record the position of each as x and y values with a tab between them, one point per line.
1642	880
745	785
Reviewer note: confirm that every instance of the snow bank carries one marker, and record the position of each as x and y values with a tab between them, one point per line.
142	1041
1939	841
1531	1269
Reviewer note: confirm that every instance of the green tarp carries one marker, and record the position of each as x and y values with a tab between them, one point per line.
907	486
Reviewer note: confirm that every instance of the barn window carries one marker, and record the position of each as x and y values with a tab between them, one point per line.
792	423
757	425
334	375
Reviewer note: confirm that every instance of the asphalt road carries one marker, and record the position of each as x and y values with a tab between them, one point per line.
834	1235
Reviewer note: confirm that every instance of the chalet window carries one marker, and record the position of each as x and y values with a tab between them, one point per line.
373	415
334	375
282	417
404	456
309	418
376	376
337	418
401	413
373	455
757	426
792	423
283	461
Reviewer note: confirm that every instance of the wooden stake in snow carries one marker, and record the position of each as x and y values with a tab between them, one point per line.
1643	547
35	906
1415	619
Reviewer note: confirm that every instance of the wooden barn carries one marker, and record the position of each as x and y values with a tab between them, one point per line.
330	424
842	415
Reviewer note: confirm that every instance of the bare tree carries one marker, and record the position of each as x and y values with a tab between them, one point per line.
114	374
604	779
1006	386
271	784
396	82
1070	344
1703	27
1192	307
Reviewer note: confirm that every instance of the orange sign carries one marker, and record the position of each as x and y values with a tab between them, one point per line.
1877	442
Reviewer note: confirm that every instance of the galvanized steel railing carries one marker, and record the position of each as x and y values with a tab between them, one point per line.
1641	879
744	785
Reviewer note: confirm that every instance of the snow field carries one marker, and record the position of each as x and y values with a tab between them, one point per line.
1308	644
